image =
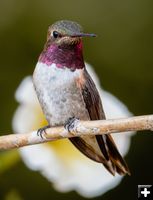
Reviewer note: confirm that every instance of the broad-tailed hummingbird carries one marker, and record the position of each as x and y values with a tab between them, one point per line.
65	90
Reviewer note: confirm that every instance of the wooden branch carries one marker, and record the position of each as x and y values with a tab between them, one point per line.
82	128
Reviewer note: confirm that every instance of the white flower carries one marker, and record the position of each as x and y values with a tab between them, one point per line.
60	162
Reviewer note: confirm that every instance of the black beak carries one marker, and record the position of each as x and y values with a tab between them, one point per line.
84	35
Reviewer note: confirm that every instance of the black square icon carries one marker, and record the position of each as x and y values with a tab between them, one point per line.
145	192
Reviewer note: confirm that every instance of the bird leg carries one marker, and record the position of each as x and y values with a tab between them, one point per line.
42	131
71	123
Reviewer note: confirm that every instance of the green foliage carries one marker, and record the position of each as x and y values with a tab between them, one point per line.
13	195
7	160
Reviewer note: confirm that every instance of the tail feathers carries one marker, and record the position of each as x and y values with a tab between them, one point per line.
113	161
116	158
110	167
107	153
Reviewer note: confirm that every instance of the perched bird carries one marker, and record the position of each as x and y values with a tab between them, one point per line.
66	90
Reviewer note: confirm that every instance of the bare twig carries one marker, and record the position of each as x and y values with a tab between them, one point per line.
83	128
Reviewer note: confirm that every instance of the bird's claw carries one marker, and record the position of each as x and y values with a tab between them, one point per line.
70	124
42	130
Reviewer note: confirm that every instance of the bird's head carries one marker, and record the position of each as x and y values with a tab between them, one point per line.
65	33
64	45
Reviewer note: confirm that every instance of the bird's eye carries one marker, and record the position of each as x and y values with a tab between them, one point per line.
56	34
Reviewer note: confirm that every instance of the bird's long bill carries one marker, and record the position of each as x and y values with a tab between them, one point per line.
84	35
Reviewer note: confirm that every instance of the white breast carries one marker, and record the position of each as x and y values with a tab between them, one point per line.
59	96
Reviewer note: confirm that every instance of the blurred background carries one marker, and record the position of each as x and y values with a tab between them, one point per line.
122	56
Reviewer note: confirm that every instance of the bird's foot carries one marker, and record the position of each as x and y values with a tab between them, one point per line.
71	124
42	131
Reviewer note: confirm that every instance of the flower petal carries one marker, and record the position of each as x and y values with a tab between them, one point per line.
25	92
88	179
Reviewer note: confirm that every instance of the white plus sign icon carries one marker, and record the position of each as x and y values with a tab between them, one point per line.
145	192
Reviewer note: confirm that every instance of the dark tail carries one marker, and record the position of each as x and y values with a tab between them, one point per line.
112	155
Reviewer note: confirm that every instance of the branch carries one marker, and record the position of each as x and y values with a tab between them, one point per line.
82	128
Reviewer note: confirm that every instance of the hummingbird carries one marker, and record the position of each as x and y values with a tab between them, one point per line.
66	91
